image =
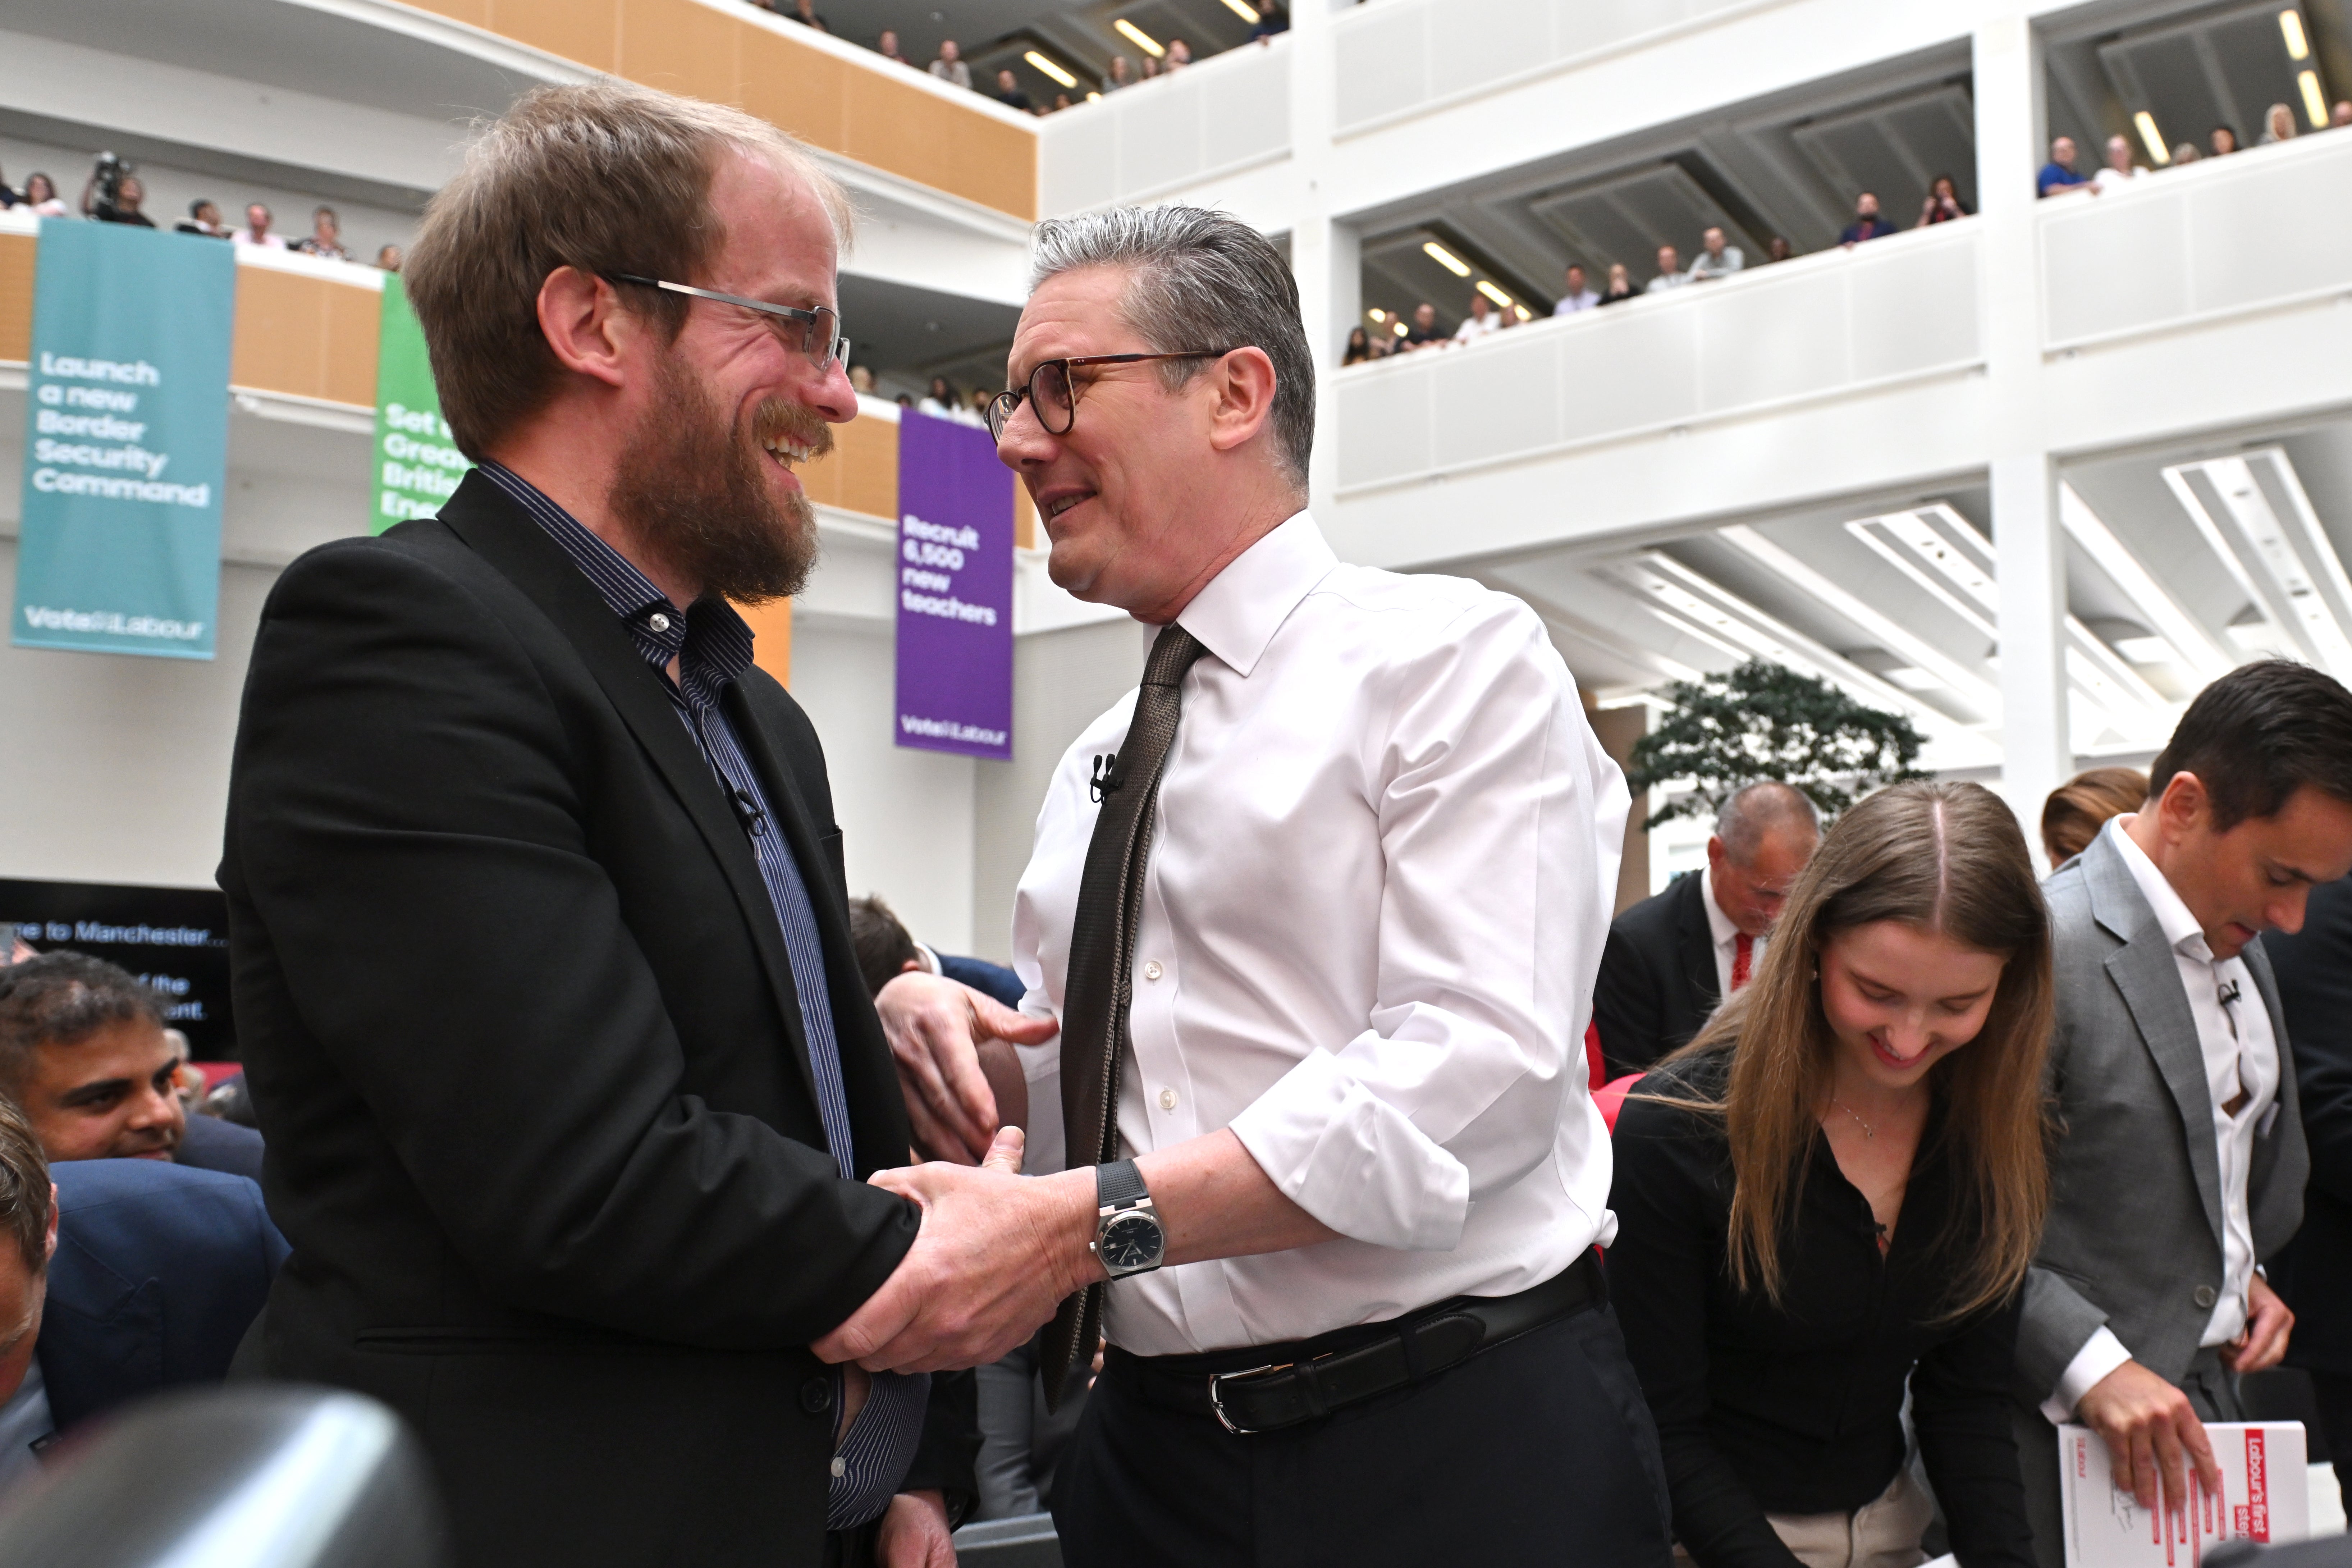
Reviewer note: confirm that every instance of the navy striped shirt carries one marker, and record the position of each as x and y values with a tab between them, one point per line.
713	648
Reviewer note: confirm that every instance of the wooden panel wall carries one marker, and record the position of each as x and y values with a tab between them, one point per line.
872	113
862	476
305	336
16	254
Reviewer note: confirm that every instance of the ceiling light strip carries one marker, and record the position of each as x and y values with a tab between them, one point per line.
2156	606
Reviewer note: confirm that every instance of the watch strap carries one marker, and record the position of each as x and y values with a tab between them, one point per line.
1119	1184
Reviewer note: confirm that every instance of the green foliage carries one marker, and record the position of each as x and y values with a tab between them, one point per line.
1764	720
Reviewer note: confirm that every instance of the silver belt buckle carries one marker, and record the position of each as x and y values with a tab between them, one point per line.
1216	1395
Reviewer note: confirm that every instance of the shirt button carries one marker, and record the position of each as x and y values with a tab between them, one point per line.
658	621
840	1466
816	1395
2203	1296
1166	1100
1151	971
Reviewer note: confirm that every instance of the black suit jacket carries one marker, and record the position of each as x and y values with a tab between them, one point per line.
520	1030
2313	1271
1658	984
160	1270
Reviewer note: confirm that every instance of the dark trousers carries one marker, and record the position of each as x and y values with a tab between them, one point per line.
1539	1450
2333	1392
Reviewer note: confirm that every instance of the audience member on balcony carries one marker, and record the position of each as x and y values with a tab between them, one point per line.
388	257
886	46
1830	1198
124	208
1777	249
1670	271
41	196
1008	92
8	199
2120	170
1118	76
2222	142
861	380
1424	332
974	411
1180	55
2187	153
1150	67
950	67
1580	295
2278	125
2058	175
1482	320
202	218
1620	285
326	237
257	229
1359	348
2078	808
2341	115
1271	19
1715	258
939	401
801	12
1866	224
1943	202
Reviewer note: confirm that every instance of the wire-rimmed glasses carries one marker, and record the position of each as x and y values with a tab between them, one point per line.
1055	396
820	329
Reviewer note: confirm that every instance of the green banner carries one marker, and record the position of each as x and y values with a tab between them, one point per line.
417	466
126	441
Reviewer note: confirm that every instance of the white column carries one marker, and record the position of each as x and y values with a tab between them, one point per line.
2037	753
1325	256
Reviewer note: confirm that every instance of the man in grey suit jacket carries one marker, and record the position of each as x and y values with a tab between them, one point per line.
2179	1162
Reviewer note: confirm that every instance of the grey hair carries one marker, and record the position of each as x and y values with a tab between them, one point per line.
1199	280
1757	808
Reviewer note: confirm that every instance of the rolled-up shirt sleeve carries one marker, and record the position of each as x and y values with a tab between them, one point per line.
1500	822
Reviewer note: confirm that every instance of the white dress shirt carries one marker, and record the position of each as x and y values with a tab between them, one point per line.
2240	1055
1383	866
1570	304
1726	938
1473	328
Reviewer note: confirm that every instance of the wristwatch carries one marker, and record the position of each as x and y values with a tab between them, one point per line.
1127	1236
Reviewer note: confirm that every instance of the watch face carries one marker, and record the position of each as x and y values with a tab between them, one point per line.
1131	1242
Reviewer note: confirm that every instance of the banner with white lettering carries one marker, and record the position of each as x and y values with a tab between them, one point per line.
417	466
126	445
955	590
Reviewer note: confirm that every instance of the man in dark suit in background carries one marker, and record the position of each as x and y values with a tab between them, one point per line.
1671	958
2313	1274
541	945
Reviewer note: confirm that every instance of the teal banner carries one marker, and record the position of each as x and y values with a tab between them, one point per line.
126	445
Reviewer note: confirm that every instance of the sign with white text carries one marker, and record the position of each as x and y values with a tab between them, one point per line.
417	466
175	939
2265	1497
955	590
126	445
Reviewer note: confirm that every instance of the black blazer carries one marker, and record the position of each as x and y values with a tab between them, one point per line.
2313	1271
159	1272
520	1030
1658	984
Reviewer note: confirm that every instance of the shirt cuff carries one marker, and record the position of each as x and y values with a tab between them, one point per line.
1354	1162
2100	1354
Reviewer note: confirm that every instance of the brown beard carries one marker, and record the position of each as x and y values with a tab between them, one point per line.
689	491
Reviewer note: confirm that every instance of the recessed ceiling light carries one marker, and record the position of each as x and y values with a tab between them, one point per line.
2298	46
1139	38
1445	258
1399	327
2147	650
1495	294
1377	314
2151	137
1523	313
1051	67
1245	12
2315	103
1911	678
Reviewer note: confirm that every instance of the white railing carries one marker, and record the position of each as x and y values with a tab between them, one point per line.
1227	113
2260	229
1892	310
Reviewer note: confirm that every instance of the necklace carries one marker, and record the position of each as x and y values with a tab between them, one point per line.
1867	1131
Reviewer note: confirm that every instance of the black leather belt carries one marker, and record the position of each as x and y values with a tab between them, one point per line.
1291	1393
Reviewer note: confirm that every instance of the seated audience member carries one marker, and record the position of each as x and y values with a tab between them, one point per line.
83	1051
1670	960
1830	1197
2313	1273
886	949
2181	1162
1118	76
2120	170
2058	175
886	46
1777	249
1620	285
1180	55
124	208
202	218
326	237
1670	272
1866	224
257	229
118	1278
1424	332
2222	142
1715	258
2186	153
949	67
1943	202
2078	808
2278	125
40	197
1360	347
1482	320
1008	92
1580	295
941	401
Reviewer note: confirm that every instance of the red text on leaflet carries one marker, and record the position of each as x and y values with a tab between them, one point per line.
2258	1488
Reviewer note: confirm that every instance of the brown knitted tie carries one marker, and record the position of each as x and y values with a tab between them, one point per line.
1102	963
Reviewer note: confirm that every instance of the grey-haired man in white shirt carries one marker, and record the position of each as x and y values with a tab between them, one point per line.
1320	1004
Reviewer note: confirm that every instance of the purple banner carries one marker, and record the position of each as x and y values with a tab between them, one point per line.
955	590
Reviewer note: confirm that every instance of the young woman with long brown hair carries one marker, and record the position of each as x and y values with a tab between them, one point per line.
1833	1194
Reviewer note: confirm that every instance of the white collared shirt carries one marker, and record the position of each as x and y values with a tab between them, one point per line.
1726	938
1381	870
2241	1054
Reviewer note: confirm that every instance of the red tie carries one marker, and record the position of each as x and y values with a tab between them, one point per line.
1742	949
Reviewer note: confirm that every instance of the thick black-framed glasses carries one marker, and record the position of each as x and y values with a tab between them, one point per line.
819	330
1055	396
